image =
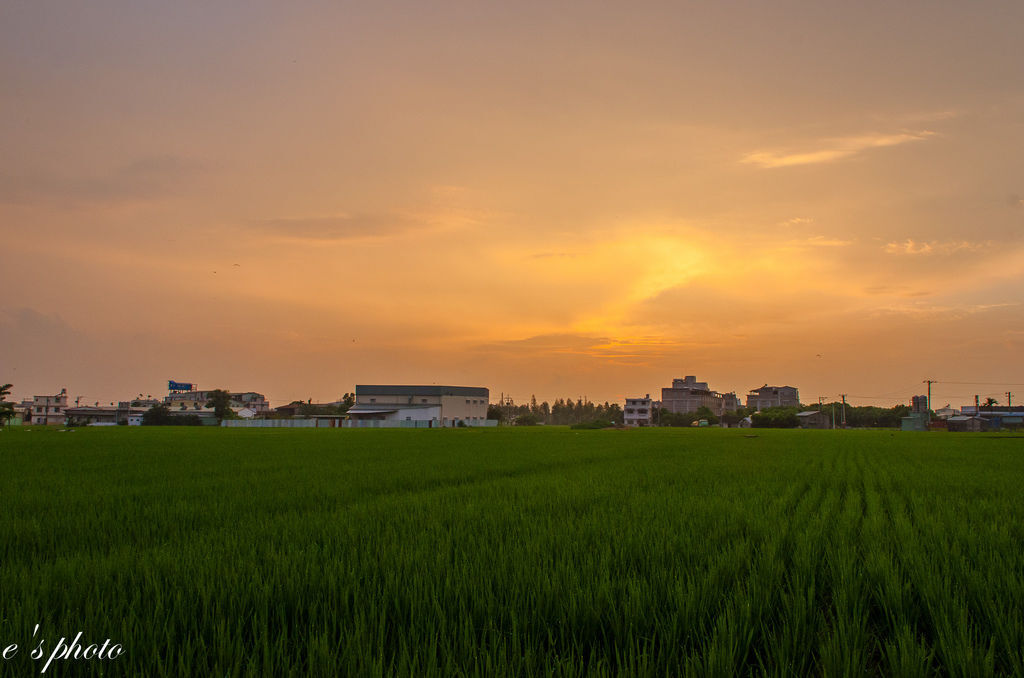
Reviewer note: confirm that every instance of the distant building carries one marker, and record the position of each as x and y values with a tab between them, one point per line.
773	396
814	419
290	410
95	415
308	408
997	416
689	395
49	410
195	401
916	421
147	403
919	404
963	423
440	405
638	411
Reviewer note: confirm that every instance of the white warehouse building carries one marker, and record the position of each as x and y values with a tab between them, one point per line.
438	405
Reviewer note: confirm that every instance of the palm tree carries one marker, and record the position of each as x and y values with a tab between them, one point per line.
989	402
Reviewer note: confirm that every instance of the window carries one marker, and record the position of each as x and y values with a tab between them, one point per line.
373	400
423	400
467	402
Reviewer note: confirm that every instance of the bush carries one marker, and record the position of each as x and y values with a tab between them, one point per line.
160	415
592	425
775	417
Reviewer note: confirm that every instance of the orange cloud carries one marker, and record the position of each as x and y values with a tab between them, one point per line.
833	149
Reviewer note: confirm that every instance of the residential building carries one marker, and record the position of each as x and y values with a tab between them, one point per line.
638	411
145	403
689	395
773	396
440	405
291	409
49	410
195	401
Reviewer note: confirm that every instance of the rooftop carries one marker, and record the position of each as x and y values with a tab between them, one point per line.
402	390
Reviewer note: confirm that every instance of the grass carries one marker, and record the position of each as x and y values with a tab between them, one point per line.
512	552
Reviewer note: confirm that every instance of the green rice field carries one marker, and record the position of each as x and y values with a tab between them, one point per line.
513	552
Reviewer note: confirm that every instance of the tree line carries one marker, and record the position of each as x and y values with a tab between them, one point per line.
569	412
563	412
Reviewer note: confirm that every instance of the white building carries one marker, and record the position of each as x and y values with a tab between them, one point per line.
639	411
773	396
439	405
49	410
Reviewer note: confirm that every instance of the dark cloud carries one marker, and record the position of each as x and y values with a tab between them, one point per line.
145	178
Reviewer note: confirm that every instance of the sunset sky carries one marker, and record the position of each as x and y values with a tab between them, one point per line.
560	199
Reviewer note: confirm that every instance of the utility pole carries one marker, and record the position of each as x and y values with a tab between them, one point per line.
1009	401
843	395
833	416
929	382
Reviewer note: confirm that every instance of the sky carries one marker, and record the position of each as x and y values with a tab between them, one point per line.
572	199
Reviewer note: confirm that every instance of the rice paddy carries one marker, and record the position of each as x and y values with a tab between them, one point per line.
512	552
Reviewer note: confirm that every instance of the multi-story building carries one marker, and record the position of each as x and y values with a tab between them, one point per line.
773	396
638	411
195	401
49	410
689	395
440	405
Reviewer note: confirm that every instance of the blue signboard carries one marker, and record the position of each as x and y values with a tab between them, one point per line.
178	386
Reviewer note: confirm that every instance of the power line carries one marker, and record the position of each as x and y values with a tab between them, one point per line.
975	383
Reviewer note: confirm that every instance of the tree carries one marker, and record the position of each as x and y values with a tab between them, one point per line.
158	415
220	401
989	402
776	417
495	412
704	412
528	419
6	408
676	419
